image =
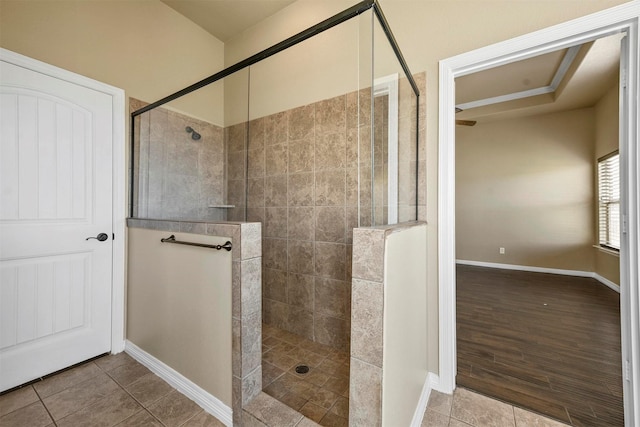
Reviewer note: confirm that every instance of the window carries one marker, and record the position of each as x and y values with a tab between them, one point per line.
609	201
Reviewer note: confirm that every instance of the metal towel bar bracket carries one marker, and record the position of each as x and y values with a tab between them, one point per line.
172	239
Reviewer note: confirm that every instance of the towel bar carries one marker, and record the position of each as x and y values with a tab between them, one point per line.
172	239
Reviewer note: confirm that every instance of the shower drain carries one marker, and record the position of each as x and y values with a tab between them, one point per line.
302	369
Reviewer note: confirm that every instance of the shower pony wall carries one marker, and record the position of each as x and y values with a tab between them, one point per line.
312	137
307	187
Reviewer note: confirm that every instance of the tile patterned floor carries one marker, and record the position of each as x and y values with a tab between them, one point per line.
118	391
322	394
468	409
109	391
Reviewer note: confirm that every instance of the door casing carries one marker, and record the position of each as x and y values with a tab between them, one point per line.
119	185
623	18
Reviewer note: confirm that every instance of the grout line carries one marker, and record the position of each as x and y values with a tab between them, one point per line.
44	405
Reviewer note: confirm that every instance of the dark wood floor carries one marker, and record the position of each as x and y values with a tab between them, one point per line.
544	342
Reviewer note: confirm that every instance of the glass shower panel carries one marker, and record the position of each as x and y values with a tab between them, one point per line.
394	142
236	105
302	181
364	133
181	152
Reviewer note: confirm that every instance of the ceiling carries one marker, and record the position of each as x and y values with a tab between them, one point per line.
562	80
225	19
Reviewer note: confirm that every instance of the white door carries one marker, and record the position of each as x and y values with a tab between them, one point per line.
56	191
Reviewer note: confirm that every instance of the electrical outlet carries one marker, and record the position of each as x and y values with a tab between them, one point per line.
501	251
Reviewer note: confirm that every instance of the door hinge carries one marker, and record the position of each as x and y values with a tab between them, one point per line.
623	78
627	370
624	224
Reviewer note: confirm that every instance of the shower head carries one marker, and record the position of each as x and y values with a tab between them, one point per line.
194	135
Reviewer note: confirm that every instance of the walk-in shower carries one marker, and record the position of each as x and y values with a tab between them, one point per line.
312	137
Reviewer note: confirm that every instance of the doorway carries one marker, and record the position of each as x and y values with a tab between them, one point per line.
616	20
62	219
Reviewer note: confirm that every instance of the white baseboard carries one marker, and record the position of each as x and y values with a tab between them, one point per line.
430	383
204	399
577	273
606	282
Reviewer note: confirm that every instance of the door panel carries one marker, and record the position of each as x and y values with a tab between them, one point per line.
56	191
46	147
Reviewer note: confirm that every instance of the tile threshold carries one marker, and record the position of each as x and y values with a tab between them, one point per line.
267	410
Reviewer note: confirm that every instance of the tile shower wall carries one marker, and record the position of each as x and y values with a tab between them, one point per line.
181	177
301	170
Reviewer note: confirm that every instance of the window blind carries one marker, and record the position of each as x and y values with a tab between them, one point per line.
609	201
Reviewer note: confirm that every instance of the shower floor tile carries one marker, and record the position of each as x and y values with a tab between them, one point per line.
321	394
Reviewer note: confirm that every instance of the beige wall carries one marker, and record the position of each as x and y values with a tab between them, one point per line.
606	114
404	368
527	185
140	46
330	64
179	306
427	32
143	47
290	74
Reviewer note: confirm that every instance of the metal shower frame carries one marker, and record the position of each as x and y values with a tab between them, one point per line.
327	24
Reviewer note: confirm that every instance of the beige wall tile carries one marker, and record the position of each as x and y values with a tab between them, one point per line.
301	256
255	214
251	236
332	332
251	385
251	285
301	155
275	194
255	193
301	122
236	346
330	224
276	159
330	188
365	395
331	297
275	284
368	252
276	128
366	321
301	224
300	290
236	136
275	224
235	192
331	115
330	151
236	164
274	253
275	313
300	321
330	260
256	163
301	189
251	343
257	133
